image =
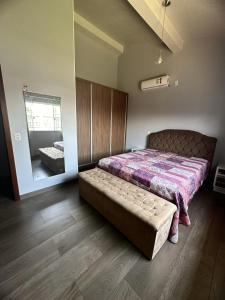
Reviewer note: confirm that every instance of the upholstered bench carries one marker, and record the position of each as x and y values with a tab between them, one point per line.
52	158
143	217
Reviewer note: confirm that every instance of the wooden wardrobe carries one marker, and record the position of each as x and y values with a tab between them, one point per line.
101	121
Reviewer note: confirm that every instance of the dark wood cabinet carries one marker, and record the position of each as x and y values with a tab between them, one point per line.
83	91
101	121
119	120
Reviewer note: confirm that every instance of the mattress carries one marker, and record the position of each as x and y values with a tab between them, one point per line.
172	177
59	145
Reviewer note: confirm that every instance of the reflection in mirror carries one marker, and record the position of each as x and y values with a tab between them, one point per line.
45	134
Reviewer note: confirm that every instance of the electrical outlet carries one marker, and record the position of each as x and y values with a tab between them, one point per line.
18	137
25	88
176	83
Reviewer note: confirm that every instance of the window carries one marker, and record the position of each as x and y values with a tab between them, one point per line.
43	115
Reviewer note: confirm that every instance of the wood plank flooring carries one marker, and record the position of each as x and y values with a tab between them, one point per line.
55	246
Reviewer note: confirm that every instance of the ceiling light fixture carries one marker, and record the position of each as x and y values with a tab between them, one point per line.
165	4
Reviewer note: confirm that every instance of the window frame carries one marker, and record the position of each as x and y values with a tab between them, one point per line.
55	102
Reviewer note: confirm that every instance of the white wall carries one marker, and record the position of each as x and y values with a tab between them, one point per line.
198	102
94	60
37	49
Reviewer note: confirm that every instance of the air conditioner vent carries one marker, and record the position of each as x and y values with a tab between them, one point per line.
157	82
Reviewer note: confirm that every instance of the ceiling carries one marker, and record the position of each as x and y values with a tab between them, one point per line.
198	19
116	18
193	19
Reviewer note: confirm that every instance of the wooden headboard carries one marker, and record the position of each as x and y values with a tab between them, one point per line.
183	142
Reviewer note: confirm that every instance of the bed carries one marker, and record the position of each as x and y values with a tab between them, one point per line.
59	145
174	166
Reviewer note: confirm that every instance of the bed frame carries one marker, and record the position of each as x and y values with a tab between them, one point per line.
100	196
183	142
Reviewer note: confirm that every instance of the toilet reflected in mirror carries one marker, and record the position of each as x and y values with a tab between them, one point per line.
45	134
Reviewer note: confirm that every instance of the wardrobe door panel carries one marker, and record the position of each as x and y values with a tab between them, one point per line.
119	114
101	121
83	104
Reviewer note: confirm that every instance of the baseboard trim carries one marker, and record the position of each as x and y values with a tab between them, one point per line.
48	189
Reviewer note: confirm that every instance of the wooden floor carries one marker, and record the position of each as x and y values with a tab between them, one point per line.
40	171
55	246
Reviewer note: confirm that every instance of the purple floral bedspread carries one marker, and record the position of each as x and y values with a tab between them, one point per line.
172	177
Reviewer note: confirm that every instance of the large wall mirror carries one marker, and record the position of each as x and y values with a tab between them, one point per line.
45	134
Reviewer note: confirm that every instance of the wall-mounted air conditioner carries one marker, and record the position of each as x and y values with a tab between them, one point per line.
157	82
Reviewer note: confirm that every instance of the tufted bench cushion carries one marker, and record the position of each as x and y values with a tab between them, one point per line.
141	216
52	152
53	158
